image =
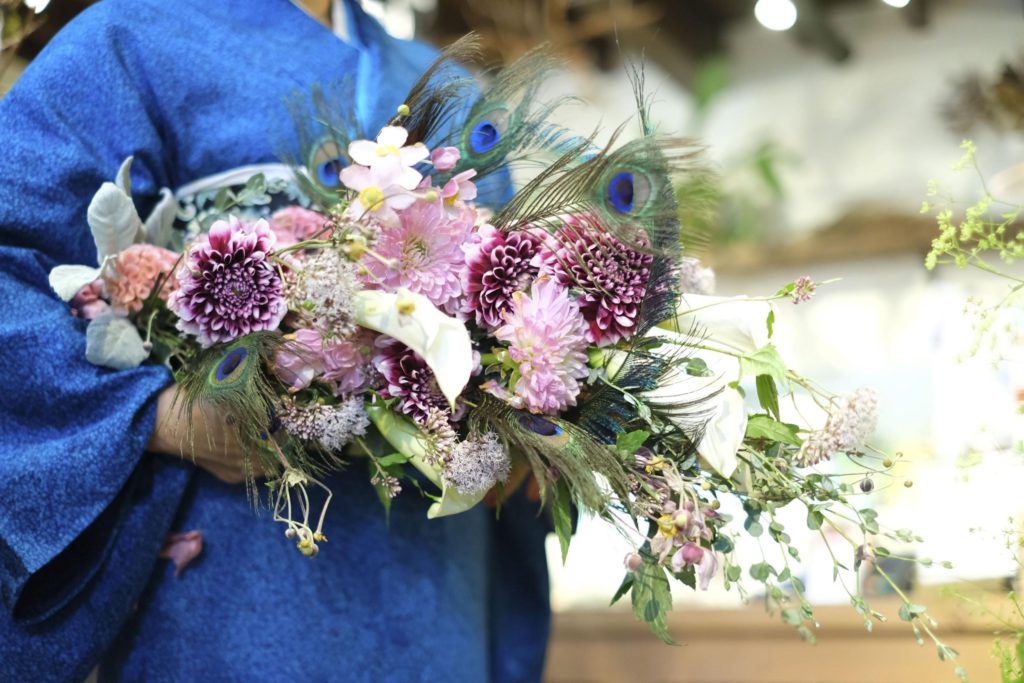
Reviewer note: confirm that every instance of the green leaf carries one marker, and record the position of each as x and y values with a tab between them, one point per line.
766	427
630	442
723	544
382	493
761	571
909	611
652	597
688	576
624	587
561	509
392	459
753	527
733	572
765	361
768	394
770	323
696	367
814	519
792	617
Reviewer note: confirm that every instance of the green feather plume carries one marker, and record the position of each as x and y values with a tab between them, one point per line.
556	450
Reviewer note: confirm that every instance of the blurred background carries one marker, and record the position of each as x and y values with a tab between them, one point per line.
825	120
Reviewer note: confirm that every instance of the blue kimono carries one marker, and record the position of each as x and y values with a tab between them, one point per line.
193	88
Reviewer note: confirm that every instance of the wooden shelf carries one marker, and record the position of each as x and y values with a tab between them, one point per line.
863	234
746	645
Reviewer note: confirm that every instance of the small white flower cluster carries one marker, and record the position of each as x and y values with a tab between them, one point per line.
847	429
325	288
332	426
477	464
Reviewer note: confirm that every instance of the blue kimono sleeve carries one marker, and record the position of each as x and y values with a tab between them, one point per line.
72	435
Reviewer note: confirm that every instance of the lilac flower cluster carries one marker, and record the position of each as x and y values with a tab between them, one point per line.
846	430
332	426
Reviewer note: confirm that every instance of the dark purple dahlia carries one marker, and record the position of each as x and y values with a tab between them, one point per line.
610	277
408	379
500	265
229	287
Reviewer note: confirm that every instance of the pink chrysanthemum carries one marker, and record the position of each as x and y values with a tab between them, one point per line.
229	287
425	250
136	270
409	379
497	267
547	337
611	278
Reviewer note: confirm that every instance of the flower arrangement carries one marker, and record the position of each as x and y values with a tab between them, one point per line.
383	314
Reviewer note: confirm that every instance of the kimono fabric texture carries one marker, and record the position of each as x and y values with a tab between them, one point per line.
192	89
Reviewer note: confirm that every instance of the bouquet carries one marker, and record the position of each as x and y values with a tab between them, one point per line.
361	304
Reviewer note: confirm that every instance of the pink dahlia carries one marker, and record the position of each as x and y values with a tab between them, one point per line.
229	287
547	337
136	270
498	265
425	250
294	224
611	278
408	379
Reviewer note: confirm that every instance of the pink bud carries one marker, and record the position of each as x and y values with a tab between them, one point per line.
692	553
632	561
445	158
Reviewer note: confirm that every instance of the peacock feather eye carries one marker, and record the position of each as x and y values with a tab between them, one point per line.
620	192
231	366
488	131
538	425
328	173
628	191
326	163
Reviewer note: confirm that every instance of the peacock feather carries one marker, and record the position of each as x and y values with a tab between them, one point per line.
556	450
232	379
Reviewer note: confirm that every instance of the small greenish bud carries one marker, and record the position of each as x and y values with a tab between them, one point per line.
887	463
715	504
403	110
908	483
706	485
595	357
430	196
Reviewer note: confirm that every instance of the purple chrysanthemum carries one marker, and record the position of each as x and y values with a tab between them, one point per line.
547	338
409	379
424	253
499	265
229	287
611	278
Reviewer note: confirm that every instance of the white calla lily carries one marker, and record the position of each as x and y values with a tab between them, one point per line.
406	438
726	417
734	323
441	340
